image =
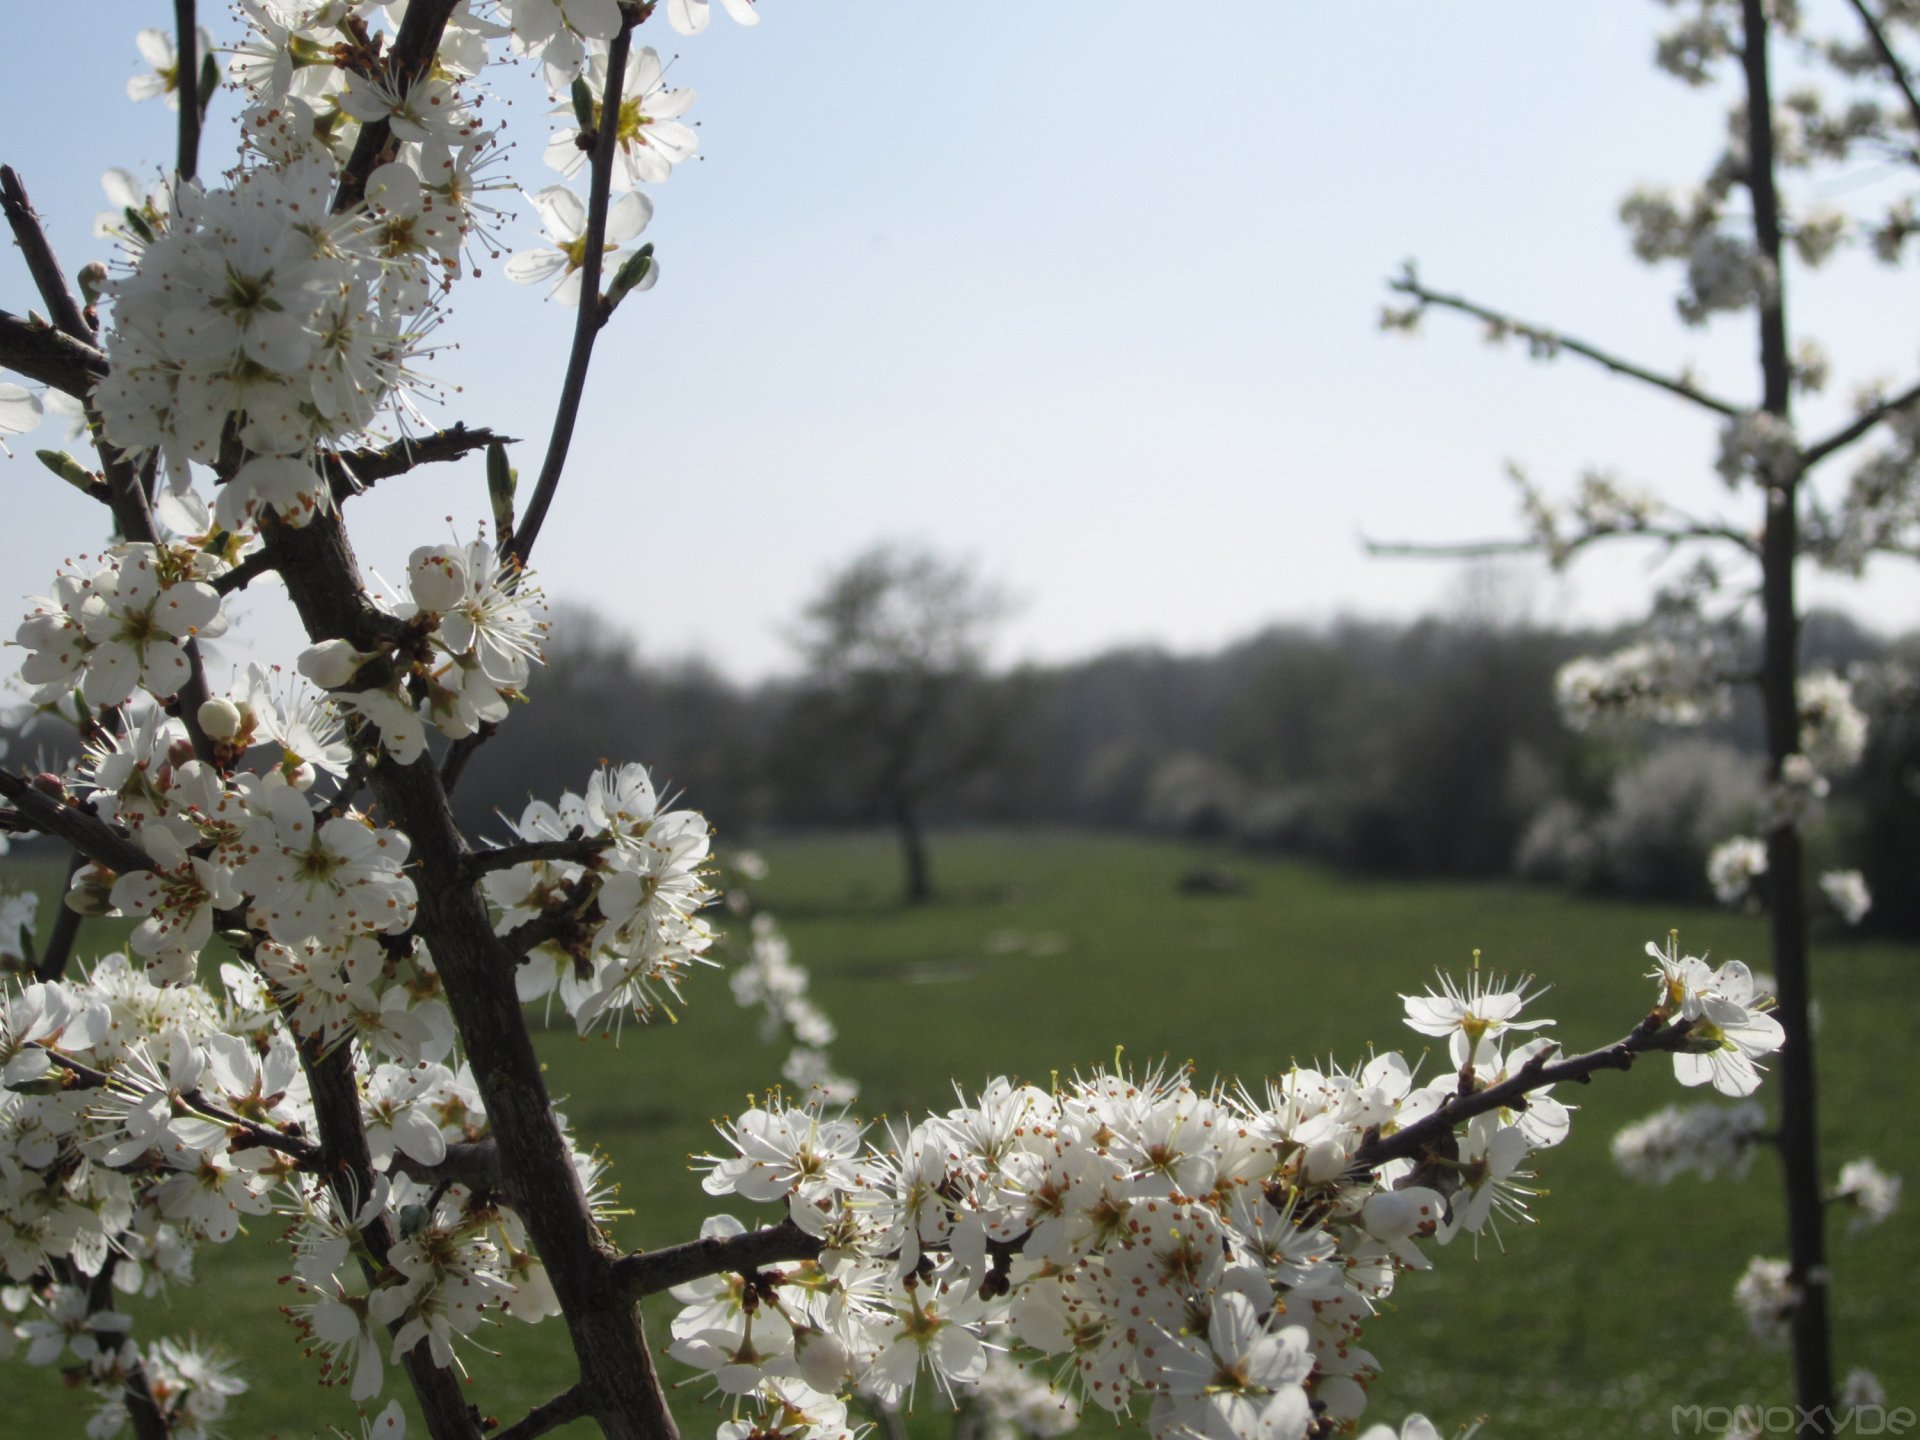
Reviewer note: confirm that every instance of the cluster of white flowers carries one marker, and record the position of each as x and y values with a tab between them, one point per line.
1767	1297
1873	1194
1734	867
1704	1140
121	625
1602	506
773	983
632	931
1833	732
1676	682
1846	891
1211	1253
482	624
1759	446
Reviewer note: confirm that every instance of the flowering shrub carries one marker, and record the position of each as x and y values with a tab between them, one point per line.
321	1014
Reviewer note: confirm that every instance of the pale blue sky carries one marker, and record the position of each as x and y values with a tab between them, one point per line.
1085	292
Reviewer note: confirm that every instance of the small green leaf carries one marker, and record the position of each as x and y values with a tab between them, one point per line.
209	82
69	470
583	103
502	479
637	274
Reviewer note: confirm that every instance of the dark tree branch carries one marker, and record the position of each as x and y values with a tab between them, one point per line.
87	833
570	1404
459	753
649	1272
530	935
1652	1034
149	1422
143	1408
593	312
303	1150
472	1163
349	472
250	569
410	57
1895	70
187	82
1858	426
348	1165
52	357
579	848
48	278
1551	341
66	929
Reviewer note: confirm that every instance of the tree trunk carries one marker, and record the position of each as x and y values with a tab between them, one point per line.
913	853
1780	672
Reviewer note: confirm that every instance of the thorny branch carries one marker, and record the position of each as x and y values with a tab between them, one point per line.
85	832
350	472
38	351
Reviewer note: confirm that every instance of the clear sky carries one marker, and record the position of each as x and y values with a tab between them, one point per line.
1083	292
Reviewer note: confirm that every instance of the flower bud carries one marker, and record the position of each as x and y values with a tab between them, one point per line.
437	575
220	718
331	663
91	892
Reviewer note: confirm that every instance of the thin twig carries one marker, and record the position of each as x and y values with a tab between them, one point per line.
1552	340
66	929
1858	426
1652	1034
301	1149
1892	61
460	752
569	1404
349	472
187	83
593	312
48	278
1472	549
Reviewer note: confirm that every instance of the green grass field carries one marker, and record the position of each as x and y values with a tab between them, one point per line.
1048	952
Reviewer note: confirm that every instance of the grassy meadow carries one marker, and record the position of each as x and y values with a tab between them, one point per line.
1052	951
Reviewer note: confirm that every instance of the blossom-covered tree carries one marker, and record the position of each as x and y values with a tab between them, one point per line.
322	1010
1737	238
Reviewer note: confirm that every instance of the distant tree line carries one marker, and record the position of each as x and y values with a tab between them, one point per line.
1424	749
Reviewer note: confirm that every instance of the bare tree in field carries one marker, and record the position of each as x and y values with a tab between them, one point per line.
897	708
1738	238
